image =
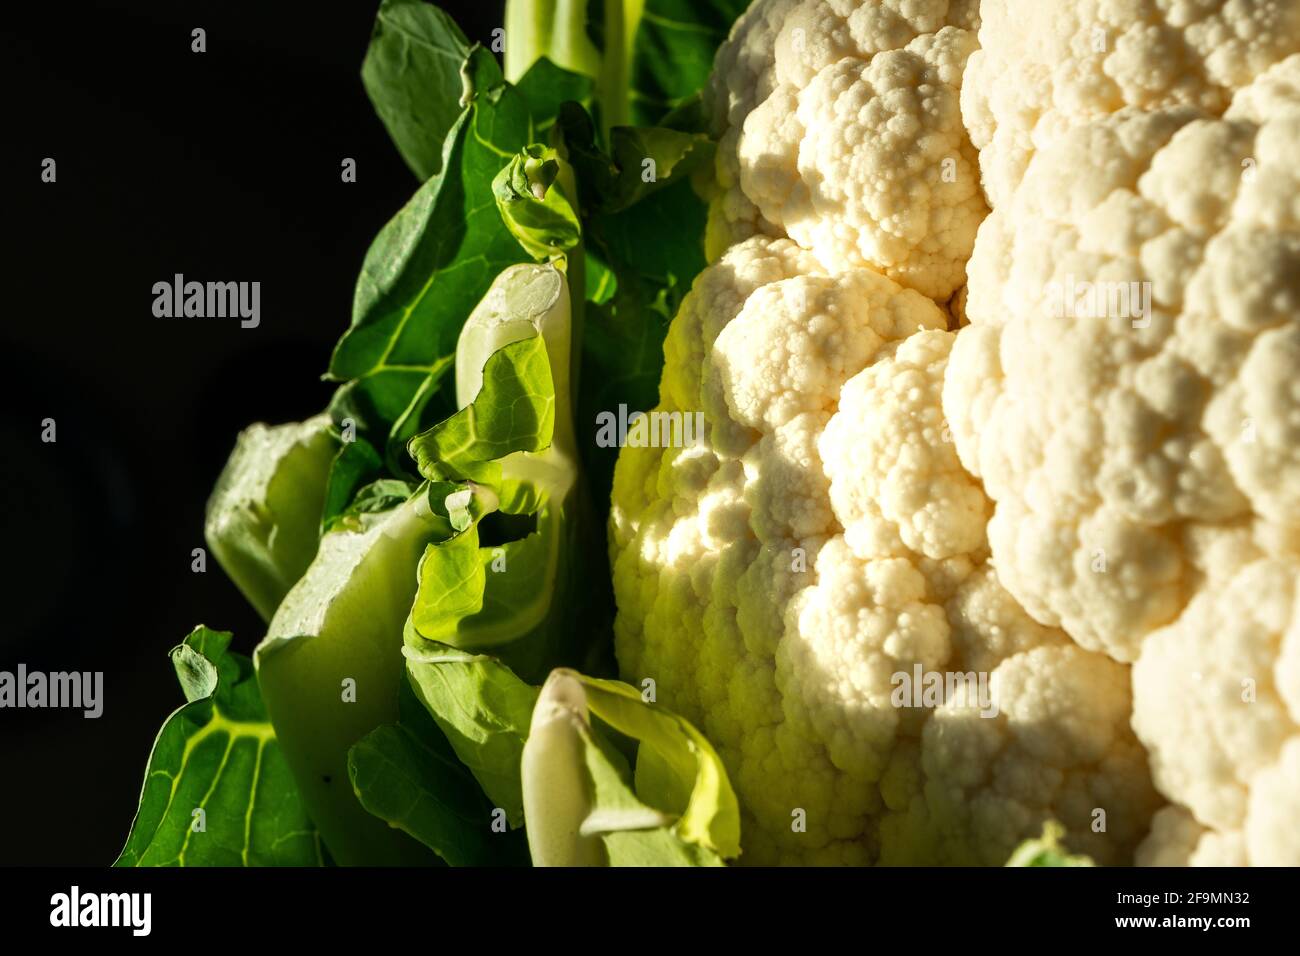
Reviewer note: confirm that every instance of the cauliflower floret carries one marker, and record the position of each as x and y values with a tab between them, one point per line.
1218	705
1060	748
1127	390
1128	377
1176	839
840	127
1045	66
891	458
777	584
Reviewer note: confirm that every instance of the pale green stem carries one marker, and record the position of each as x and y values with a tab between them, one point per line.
557	30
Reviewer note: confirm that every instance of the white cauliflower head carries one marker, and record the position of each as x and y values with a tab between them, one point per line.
840	127
1127	387
777	579
1217	701
1045	66
1128	391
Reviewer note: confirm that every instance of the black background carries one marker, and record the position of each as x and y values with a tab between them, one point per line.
223	165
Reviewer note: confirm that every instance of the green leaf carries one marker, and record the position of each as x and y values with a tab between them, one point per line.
672	51
511	580
623	341
516	593
600	282
624	336
387	408
648	159
452	580
534	206
263	517
636	239
545	86
408	775
371	503
623	361
1047	850
641	161
626	844
355	462
433	262
644	246
218	753
483	709
515	411
412	75
478	598
689	116
330	669
457	502
581	805
677	770
655	848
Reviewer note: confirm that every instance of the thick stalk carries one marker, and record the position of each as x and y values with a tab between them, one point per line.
526	300
575	267
557	29
330	668
612	86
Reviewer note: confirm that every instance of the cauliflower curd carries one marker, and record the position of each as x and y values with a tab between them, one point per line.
775	578
840	127
1088	494
1145	462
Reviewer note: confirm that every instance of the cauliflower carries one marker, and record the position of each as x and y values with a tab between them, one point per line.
1090	495
840	127
776	579
1122	440
1176	839
1127	386
1217	700
1045	66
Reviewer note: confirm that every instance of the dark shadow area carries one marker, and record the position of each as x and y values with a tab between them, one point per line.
222	166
